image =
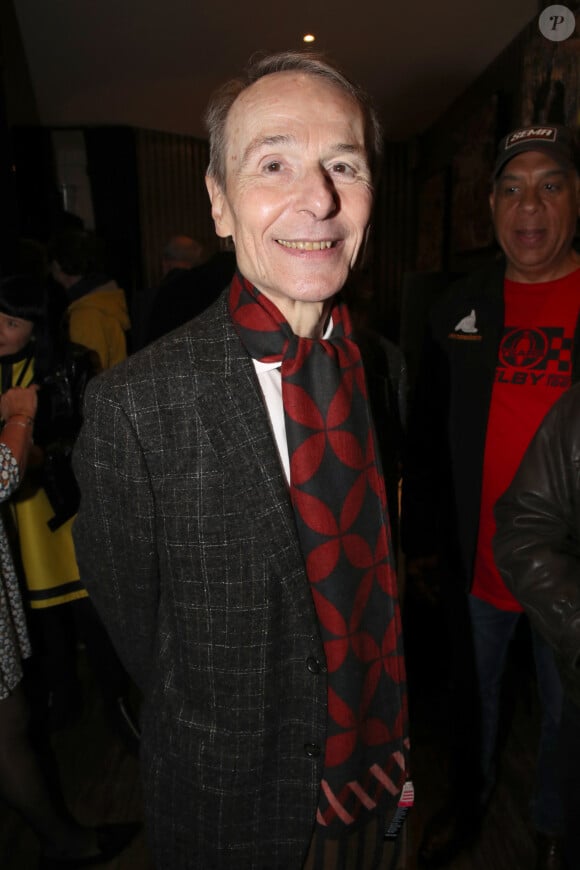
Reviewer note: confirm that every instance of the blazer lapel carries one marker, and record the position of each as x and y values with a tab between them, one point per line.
236	421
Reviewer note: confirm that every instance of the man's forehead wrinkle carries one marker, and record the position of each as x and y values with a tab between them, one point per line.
552	168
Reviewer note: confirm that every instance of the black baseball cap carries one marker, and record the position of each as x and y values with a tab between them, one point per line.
553	139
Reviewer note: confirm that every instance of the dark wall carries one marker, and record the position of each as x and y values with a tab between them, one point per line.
112	170
38	203
8	198
454	161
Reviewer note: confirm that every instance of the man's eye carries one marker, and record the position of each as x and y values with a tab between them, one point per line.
273	166
342	169
550	186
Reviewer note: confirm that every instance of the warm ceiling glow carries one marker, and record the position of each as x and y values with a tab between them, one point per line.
308	37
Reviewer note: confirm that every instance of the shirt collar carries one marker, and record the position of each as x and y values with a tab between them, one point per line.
268	366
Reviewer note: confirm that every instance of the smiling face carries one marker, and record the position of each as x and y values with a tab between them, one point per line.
15	333
535	204
298	191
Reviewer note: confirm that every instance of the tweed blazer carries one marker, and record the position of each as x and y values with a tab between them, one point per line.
186	541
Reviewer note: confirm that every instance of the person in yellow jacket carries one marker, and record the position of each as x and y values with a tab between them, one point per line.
97	308
44	507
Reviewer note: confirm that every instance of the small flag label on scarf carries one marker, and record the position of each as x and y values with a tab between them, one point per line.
405	803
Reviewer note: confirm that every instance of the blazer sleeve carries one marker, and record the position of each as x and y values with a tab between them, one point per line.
114	530
537	546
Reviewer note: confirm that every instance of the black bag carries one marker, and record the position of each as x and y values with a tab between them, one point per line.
61	395
58	422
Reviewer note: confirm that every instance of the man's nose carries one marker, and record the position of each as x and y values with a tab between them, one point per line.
530	199
317	194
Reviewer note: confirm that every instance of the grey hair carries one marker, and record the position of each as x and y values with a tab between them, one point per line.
287	61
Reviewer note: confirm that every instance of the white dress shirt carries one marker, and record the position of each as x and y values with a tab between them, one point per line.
270	380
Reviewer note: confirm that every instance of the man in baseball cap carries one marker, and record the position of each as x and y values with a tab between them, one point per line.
501	353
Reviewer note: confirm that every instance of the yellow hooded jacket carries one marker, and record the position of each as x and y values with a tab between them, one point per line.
99	321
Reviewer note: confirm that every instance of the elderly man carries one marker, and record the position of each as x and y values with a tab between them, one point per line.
500	356
233	523
181	252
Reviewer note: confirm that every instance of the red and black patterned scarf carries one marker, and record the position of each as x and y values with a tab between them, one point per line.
339	501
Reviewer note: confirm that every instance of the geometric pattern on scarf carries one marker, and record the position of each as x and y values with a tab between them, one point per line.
339	502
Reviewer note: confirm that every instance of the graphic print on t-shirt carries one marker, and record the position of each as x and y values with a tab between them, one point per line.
533	357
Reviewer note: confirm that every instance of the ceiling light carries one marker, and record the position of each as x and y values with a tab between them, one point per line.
308	37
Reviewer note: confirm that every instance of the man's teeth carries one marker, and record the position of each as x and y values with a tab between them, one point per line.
305	246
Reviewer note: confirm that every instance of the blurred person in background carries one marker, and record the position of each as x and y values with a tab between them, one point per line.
43	508
97	309
64	843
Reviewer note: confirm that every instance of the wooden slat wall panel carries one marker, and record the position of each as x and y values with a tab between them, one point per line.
172	195
392	241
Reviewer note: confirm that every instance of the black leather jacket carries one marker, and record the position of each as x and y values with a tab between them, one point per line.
537	545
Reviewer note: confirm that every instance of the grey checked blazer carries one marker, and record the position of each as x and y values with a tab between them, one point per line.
186	541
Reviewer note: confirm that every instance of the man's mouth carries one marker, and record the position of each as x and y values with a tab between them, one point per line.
530	234
306	246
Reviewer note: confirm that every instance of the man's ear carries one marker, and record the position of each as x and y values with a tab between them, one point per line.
219	207
492	200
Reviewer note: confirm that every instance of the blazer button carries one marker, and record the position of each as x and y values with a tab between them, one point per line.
312	750
313	665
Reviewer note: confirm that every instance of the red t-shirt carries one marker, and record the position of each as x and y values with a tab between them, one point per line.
533	370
